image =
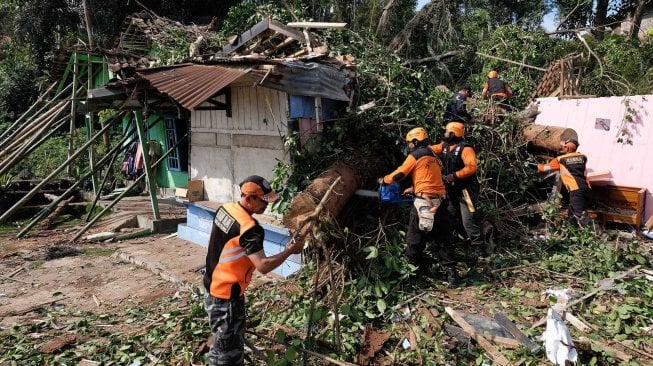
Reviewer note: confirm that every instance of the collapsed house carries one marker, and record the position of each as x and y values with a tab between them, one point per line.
217	117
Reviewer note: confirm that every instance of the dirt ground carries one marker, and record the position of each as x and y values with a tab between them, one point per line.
99	278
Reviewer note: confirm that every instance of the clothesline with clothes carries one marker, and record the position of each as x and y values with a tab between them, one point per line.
133	164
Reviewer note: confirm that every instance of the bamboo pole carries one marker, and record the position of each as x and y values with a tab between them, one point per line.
46	180
4	142
124	193
104	181
73	113
49	208
151	179
36	124
28	111
89	129
27	131
29	146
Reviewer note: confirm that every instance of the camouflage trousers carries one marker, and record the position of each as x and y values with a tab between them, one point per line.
227	321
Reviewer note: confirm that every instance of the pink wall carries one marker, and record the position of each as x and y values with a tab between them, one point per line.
630	165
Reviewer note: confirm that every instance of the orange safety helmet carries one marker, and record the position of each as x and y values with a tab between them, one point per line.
417	133
457	128
492	74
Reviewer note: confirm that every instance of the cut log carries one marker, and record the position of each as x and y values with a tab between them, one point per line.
548	137
305	203
49	221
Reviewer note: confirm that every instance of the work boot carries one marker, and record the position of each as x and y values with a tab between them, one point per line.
452	277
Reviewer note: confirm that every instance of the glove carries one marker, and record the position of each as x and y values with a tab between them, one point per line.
380	181
449	178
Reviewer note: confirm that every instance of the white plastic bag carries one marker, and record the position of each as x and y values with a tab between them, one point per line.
557	340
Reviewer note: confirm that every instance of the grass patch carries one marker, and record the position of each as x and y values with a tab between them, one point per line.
36	264
7	229
97	251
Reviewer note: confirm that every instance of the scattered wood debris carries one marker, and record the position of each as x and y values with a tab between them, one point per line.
58	343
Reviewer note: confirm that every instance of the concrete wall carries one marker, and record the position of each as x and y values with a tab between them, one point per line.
599	123
225	150
647	23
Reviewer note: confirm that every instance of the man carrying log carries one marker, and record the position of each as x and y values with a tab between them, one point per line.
235	251
571	165
459	169
427	222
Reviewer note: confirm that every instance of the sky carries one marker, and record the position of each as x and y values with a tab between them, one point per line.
547	22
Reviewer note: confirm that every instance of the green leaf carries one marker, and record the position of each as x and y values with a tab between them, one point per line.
381	305
374	252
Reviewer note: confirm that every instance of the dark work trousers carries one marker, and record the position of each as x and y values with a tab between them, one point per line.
577	205
416	239
227	321
463	220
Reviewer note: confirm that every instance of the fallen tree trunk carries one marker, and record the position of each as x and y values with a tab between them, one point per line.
306	202
548	137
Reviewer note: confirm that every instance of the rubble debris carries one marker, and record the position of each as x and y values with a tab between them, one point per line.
100	236
60	251
58	343
508	325
492	352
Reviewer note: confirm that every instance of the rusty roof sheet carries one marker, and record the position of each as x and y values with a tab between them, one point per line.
191	85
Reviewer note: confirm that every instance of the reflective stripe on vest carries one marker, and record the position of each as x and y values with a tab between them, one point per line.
234	266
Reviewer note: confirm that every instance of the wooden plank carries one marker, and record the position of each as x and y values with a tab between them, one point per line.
606	348
508	325
257	29
577	322
280	28
492	352
317	25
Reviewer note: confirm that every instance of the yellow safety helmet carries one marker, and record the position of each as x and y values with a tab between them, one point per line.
492	74
417	133
457	128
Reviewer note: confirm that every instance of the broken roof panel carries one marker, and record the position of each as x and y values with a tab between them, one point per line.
307	79
268	37
191	85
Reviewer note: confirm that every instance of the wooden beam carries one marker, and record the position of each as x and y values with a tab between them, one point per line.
317	25
257	29
276	26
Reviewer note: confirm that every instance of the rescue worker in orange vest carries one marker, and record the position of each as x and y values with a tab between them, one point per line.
428	220
497	89
235	251
571	165
459	169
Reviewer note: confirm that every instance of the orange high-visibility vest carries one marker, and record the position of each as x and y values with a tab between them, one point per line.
234	266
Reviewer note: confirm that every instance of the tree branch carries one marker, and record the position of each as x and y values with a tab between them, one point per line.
431	59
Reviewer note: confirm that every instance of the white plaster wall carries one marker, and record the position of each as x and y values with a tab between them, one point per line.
225	150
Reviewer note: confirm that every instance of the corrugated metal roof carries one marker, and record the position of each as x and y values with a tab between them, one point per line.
191	85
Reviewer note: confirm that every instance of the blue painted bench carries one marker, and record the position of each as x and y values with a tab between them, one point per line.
199	222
